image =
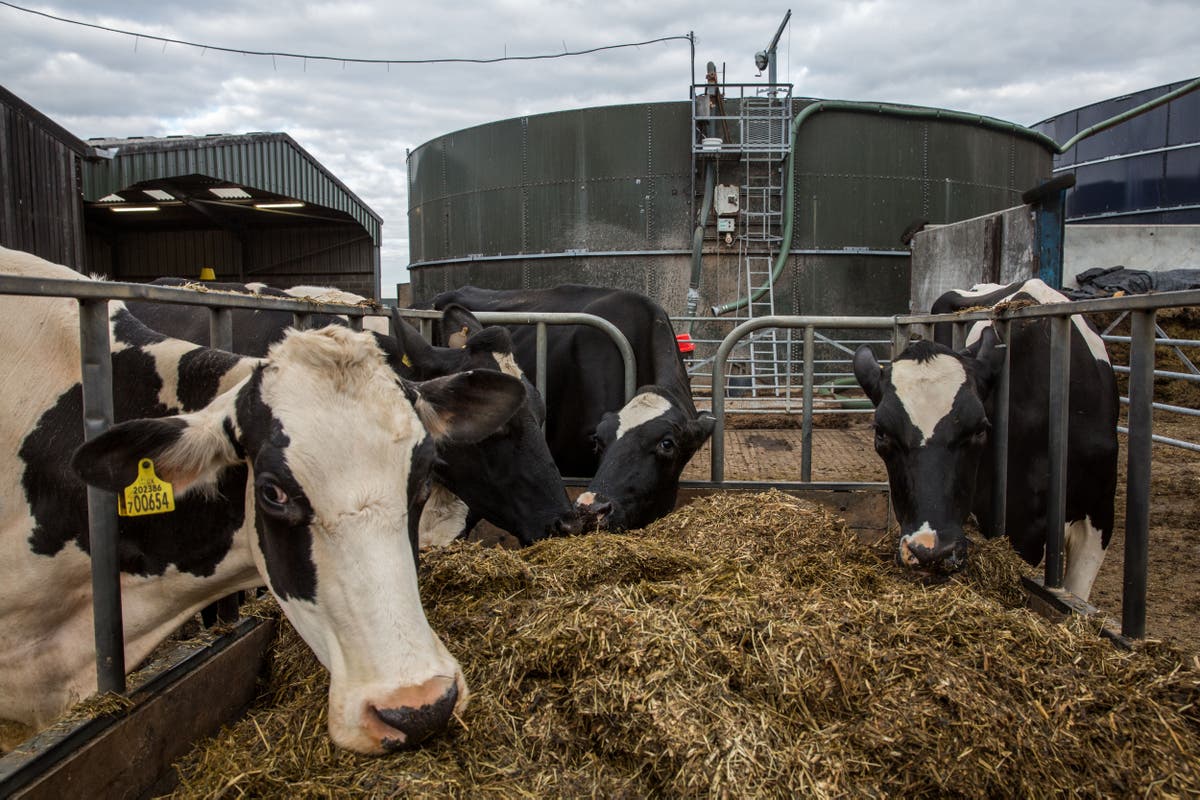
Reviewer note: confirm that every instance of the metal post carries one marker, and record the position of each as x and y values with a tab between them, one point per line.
1137	487
806	424
900	337
1059	417
356	322
96	367
220	328
999	435
959	336
220	337
540	363
300	320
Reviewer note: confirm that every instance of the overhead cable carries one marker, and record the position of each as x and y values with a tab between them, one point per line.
345	60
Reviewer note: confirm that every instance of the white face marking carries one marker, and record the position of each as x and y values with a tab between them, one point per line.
443	520
1084	555
366	624
1038	290
923	536
640	410
927	389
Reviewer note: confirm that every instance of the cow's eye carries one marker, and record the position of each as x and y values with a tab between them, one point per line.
666	446
272	495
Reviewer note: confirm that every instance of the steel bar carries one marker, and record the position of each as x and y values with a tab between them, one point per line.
999	436
301	320
109	290
571	318
96	365
1167	440
1059	418
807	422
541	361
1162	373
220	329
1137	486
1191	412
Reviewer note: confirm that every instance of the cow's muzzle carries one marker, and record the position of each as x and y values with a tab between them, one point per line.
595	511
937	551
404	723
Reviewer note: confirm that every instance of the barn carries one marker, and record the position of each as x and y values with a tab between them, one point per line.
250	207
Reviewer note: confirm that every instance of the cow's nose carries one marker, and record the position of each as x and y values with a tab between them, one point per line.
944	550
405	725
594	509
567	524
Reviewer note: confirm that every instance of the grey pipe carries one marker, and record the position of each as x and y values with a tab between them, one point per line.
710	183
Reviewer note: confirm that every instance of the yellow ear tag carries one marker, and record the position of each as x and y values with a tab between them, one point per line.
404	360
149	494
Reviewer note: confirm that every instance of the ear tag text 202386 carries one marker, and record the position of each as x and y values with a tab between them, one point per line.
148	494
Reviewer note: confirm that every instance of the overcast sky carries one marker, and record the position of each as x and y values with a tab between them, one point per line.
1019	61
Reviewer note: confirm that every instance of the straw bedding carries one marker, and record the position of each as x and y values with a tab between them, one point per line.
746	645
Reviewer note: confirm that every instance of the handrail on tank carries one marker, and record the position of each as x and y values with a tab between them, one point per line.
97	385
932	115
541	320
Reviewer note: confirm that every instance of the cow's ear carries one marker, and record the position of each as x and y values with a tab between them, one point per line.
868	373
467	406
459	325
417	356
702	427
187	451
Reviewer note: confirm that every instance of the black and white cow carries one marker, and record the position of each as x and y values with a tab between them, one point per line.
933	407
633	452
275	483
508	478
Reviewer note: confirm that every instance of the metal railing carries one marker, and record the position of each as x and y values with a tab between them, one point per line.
425	321
96	363
809	324
1142	310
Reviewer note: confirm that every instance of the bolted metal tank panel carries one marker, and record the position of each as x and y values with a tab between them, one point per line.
605	196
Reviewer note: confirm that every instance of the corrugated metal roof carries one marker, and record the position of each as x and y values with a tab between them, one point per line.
272	162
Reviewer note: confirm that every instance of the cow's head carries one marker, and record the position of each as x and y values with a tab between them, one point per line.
339	451
643	449
931	426
508	478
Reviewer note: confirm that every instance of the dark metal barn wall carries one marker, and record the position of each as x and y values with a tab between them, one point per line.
40	205
1144	171
319	256
280	257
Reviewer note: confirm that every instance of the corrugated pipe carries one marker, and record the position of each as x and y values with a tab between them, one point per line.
710	183
930	114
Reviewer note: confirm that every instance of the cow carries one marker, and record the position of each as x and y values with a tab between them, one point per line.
933	408
508	478
632	452
275	484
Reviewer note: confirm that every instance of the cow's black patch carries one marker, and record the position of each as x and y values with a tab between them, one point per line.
203	369
195	538
284	535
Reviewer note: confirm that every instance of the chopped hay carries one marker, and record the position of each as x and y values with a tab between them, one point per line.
745	645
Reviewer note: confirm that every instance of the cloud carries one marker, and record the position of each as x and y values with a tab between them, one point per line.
1001	58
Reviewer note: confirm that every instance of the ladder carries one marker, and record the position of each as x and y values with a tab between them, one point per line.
766	128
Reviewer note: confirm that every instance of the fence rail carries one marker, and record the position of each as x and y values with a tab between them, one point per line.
93	298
